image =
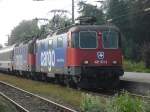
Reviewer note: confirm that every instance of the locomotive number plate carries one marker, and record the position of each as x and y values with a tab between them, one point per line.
100	62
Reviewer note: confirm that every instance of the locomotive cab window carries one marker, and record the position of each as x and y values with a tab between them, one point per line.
88	39
110	39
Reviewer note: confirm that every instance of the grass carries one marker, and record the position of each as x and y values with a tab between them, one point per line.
130	66
92	104
5	106
78	99
119	103
56	92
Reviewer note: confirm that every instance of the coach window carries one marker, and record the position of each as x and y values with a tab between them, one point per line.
17	51
59	42
23	50
50	43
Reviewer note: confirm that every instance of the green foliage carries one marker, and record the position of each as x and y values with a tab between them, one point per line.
26	30
125	103
119	103
59	22
91	104
131	50
147	106
133	21
86	9
132	66
146	55
147	103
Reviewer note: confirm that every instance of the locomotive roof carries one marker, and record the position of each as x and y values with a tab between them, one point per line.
86	27
93	27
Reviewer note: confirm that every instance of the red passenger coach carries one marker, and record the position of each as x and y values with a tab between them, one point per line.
94	55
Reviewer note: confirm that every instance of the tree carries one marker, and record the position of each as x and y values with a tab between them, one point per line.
118	11
58	22
146	54
29	29
86	9
133	22
25	31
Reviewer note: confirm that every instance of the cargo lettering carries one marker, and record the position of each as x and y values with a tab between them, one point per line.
48	59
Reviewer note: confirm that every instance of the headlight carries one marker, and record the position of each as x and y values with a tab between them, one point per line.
114	62
86	62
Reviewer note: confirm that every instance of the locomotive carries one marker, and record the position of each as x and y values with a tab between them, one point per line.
81	55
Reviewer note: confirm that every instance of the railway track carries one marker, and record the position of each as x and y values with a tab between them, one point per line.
29	102
140	90
147	98
131	87
111	93
18	107
135	87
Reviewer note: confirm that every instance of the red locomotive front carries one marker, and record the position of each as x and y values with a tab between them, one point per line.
94	54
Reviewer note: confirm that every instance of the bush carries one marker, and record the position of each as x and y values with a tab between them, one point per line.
119	103
132	66
125	103
91	104
131	50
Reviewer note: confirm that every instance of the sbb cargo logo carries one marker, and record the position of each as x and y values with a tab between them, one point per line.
48	59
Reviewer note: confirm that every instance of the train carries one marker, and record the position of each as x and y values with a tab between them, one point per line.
79	56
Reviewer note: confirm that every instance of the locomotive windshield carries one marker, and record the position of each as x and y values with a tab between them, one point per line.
110	39
88	39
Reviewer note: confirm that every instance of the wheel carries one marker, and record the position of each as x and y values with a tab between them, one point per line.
33	76
42	77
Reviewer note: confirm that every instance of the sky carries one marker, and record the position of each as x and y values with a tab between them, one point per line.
12	12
